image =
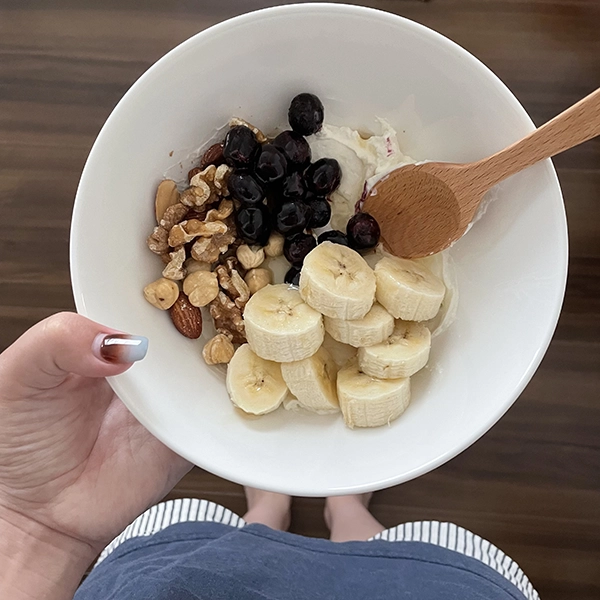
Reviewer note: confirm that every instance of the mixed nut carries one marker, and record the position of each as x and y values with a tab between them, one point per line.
249	199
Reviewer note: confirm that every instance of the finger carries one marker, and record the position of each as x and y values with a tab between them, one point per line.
65	343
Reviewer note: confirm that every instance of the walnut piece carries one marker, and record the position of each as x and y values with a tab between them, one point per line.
173	215
162	293
193	172
201	287
260	136
256	279
174	270
186	231
197	195
218	350
274	246
233	285
207	176
250	257
220	214
215	177
228	318
208	250
158	241
222	179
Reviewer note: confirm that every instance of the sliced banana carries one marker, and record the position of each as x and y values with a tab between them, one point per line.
375	327
336	281
442	266
280	326
312	381
404	353
255	385
292	404
408	290
341	353
369	402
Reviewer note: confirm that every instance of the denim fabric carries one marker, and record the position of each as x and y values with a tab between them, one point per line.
211	561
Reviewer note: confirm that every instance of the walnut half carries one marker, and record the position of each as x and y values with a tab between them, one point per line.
233	285
209	250
228	318
175	270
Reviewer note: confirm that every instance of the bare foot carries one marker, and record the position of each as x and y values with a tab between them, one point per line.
348	518
268	508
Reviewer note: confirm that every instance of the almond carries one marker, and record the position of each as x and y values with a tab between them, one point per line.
213	156
186	317
167	195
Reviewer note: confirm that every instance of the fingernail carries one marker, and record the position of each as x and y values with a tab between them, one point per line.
120	348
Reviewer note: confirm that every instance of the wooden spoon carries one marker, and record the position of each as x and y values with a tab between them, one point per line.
422	209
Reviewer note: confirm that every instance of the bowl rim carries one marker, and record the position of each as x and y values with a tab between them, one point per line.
223	470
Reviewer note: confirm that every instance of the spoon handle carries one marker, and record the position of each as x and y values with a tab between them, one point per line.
576	125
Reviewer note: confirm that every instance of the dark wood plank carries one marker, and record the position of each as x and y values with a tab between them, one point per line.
532	484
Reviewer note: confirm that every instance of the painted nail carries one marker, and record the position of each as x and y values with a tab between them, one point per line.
120	348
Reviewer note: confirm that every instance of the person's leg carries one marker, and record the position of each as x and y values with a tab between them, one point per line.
268	508
348	518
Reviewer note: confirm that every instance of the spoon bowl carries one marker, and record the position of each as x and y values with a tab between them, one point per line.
408	229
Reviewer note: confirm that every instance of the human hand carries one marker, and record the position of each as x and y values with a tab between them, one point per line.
75	465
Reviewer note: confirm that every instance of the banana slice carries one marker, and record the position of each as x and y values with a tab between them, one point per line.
375	327
369	402
404	353
341	353
312	381
336	281
280	326
255	385
408	290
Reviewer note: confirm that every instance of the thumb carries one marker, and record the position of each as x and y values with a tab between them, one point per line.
67	343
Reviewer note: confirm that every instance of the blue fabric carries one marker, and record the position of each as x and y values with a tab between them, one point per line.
211	561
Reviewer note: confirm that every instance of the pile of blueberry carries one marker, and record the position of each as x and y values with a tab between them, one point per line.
278	188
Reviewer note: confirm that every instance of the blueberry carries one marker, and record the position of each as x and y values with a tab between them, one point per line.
293	187
295	148
306	114
243	187
321	212
254	224
297	246
335	236
271	165
323	177
292	217
240	147
293	276
363	231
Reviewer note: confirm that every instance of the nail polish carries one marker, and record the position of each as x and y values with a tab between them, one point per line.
120	348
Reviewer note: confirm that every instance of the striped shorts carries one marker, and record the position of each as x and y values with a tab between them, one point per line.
447	535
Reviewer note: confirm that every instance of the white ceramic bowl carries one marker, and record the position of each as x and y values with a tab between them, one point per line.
446	105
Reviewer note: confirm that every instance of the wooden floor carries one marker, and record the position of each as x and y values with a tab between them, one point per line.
532	485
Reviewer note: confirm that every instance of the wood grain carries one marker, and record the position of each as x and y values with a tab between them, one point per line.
532	484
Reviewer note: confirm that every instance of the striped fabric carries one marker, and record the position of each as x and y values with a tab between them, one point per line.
161	516
453	537
447	535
